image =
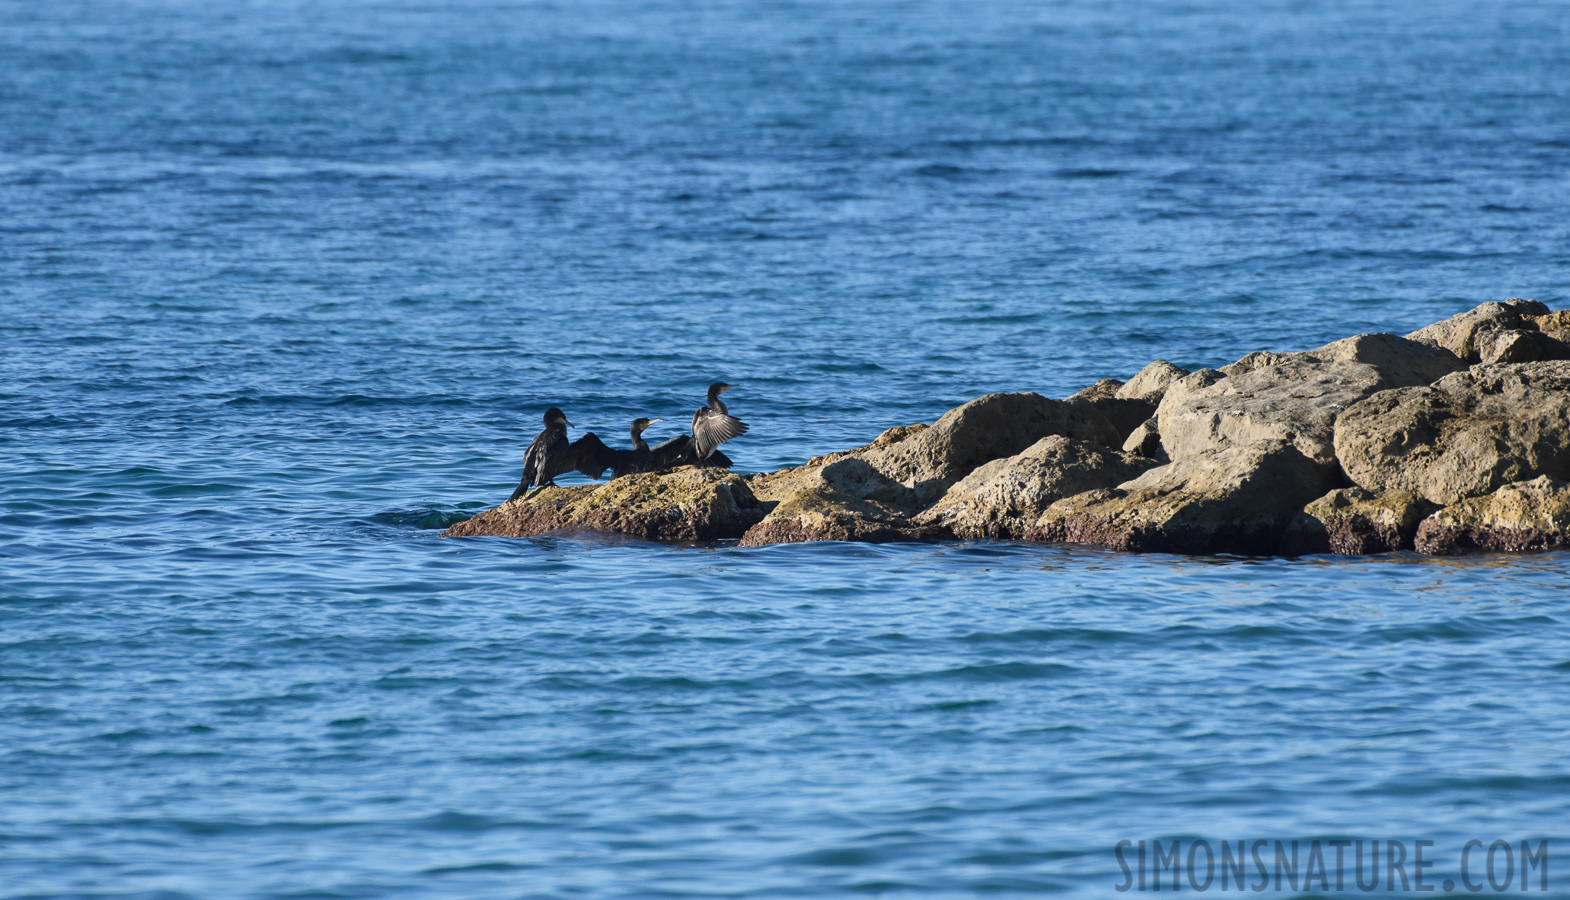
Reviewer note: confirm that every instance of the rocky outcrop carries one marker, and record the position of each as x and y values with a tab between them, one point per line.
1345	448
846	474
1243	499
1150	383
1464	436
931	460
688	504
1291	396
1555	324
1523	516
1468	334
1357	522
837	498
824	514
1146	441
1005	497
1125	413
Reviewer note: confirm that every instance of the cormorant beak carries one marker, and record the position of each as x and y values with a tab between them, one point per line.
654	422
726	388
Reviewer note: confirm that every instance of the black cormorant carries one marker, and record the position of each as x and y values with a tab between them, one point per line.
547	456
712	425
592	457
550	454
640	456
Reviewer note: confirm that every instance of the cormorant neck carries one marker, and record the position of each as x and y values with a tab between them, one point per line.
715	403
637	441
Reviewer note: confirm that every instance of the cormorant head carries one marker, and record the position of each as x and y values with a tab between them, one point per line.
554	416
638	425
718	388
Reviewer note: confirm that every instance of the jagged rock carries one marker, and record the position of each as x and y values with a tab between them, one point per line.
1146	441
688	504
1243	499
824	514
1105	389
1459	334
1555	324
1358	522
1151	382
991	427
1291	396
1465	436
1005	497
1125	413
1505	347
1525	515
840	497
843	473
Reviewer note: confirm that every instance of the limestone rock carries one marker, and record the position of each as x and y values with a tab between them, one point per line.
687	504
1466	435
1291	396
1151	382
987	428
1459	333
1125	413
1555	324
1243	499
1358	522
845	474
1505	347
1005	497
1524	515
1105	389
1146	441
824	514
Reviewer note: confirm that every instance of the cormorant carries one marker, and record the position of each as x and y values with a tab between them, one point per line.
547	456
550	454
639	457
592	457
712	425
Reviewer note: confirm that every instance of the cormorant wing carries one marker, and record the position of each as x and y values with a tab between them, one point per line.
713	429
590	456
668	454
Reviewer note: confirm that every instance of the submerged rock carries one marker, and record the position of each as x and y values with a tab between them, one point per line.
1242	499
1465	436
1291	396
1005	497
1526	515
688	504
1358	522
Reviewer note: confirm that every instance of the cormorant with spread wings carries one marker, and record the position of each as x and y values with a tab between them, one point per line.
712	425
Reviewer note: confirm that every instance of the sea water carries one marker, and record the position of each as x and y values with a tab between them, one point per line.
285	288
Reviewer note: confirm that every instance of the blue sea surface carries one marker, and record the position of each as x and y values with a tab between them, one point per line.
285	287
